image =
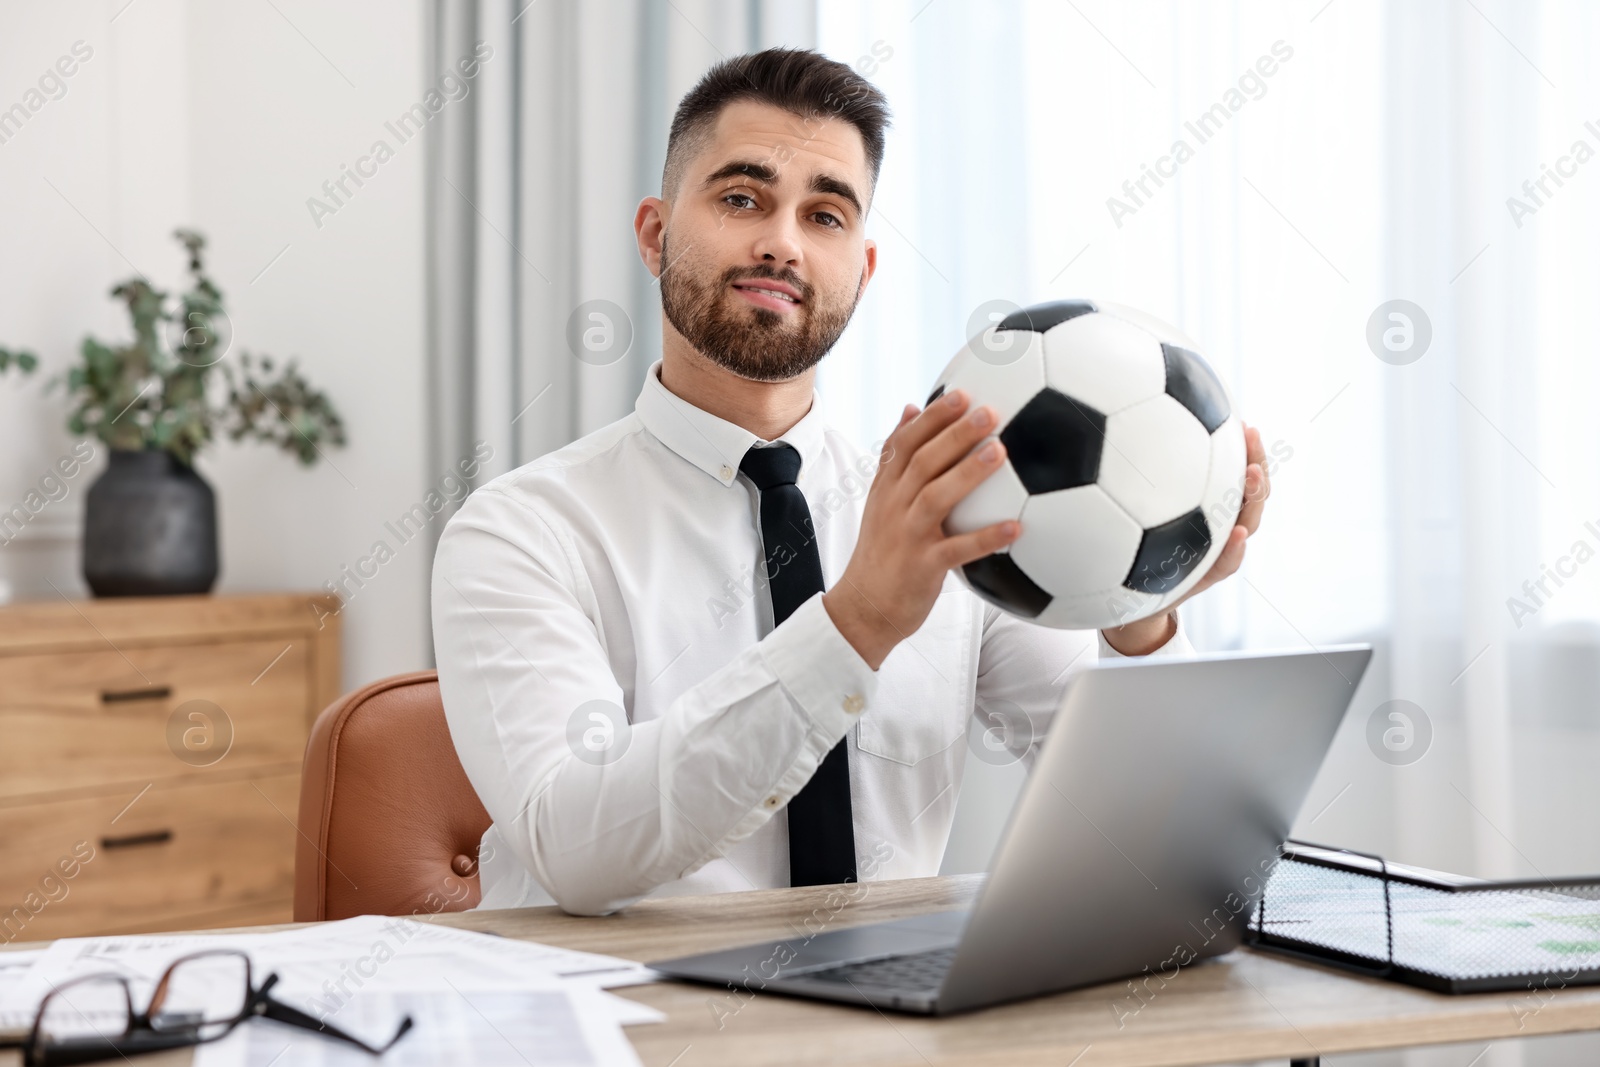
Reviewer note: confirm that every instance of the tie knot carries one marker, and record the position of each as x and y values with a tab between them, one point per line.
772	465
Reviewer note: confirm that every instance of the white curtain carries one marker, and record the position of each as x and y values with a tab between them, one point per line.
532	191
1364	152
1499	472
1340	155
533	182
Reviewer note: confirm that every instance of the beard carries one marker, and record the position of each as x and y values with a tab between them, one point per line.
753	342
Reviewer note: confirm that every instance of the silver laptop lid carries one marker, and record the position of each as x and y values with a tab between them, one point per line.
1152	814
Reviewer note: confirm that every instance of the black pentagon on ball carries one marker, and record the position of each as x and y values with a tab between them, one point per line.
1192	383
1040	317
936	394
1054	442
1000	581
1169	553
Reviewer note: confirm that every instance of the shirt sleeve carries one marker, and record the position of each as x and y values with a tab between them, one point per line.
1177	645
521	664
1023	669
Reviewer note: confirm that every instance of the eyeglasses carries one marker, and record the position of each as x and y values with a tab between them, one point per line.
199	998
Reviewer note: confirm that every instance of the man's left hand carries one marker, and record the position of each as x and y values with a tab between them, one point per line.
1145	636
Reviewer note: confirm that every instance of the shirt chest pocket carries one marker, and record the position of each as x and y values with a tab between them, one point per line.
924	697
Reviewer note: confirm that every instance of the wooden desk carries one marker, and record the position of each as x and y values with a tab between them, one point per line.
1245	1006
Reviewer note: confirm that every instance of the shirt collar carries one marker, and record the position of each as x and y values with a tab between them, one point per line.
715	445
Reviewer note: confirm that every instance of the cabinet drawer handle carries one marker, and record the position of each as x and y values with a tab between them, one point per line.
154	837
123	696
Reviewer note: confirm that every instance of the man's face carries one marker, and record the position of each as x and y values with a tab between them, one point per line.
763	258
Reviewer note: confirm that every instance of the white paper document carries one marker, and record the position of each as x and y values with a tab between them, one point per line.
16	1012
473	998
484	1028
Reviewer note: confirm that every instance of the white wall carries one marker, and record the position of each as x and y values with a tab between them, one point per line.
227	118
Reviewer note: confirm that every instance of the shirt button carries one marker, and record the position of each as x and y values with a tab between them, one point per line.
854	703
772	802
727	472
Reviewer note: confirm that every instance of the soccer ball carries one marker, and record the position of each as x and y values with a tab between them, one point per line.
1124	462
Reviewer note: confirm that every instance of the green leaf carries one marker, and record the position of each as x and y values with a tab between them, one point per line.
153	390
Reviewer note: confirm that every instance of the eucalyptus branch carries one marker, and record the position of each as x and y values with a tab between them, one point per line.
154	392
284	411
24	361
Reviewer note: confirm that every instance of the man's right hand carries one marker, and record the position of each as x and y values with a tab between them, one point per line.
902	553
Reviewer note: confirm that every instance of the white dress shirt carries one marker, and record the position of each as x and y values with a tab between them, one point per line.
627	567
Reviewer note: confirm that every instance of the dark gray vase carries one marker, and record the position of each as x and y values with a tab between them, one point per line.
150	528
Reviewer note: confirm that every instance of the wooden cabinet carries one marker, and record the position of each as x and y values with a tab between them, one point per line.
150	759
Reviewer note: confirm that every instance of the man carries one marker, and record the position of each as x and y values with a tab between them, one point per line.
644	679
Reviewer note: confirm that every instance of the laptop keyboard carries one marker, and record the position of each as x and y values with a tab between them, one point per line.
915	970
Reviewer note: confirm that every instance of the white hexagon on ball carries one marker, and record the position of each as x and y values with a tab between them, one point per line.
1004	386
1076	539
1162	331
1104	362
1096	611
995	499
1156	459
1224	492
1225	481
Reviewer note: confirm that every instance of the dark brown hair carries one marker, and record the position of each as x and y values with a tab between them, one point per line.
802	82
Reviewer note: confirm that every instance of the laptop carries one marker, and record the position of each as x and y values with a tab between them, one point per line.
1142	839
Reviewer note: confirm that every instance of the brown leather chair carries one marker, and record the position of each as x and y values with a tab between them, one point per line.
389	824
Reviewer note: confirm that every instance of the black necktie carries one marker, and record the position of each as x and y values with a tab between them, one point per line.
822	843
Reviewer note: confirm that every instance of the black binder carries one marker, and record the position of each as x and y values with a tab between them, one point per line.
1443	932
